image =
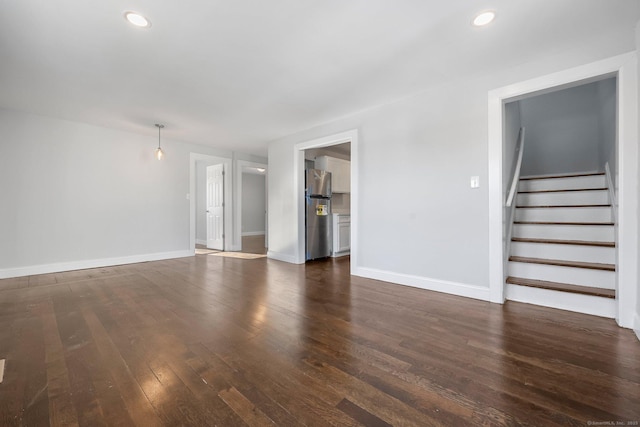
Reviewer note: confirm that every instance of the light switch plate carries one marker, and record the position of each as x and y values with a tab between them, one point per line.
475	181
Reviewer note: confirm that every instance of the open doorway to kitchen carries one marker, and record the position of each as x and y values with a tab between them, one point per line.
335	159
336	154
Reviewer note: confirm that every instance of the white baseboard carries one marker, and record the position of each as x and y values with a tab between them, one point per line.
201	242
339	254
92	263
460	289
636	325
283	257
252	233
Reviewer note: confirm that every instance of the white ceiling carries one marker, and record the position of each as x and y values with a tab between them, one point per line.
239	73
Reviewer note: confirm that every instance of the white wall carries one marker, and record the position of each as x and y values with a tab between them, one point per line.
606	99
73	193
512	125
563	131
201	202
637	316
253	204
418	217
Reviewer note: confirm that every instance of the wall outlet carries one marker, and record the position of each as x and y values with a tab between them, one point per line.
475	182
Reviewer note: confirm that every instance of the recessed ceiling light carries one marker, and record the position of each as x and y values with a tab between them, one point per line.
484	18
136	19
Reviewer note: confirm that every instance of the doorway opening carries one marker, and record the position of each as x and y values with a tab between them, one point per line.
560	166
251	219
623	164
335	240
336	154
210	190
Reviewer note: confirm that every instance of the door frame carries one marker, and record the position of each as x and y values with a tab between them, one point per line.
298	188
228	195
625	68
240	165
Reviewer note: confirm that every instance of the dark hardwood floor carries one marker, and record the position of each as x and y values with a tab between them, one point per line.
218	341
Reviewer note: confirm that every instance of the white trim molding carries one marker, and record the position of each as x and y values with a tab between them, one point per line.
636	325
625	68
278	256
298	189
252	233
453	288
91	263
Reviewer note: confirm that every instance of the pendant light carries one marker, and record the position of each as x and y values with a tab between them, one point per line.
159	152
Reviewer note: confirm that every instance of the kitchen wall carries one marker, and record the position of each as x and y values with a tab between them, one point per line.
74	193
253	204
419	221
341	203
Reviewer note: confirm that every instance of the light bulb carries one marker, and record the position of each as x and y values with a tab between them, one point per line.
484	18
159	153
137	19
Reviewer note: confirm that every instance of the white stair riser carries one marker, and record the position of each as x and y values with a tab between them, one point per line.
600	214
595	197
564	252
596	306
596	233
597	181
570	275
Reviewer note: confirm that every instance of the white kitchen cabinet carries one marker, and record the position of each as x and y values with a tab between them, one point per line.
341	235
340	172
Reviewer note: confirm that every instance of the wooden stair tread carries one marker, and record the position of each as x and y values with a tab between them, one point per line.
562	263
563	287
564	191
565	242
563	206
563	223
576	175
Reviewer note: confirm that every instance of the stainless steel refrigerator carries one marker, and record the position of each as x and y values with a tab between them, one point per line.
318	217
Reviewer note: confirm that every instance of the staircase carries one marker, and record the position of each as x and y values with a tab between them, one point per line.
562	251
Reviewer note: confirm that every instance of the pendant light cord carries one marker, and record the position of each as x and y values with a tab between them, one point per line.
159	126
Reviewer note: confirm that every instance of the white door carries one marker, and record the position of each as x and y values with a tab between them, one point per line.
215	207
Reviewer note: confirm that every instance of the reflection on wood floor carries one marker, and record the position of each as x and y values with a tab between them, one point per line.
253	244
208	340
250	245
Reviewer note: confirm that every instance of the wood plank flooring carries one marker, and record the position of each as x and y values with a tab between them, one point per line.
229	342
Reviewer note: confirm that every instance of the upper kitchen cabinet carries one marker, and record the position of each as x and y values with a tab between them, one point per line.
340	172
